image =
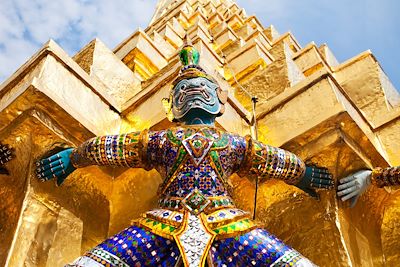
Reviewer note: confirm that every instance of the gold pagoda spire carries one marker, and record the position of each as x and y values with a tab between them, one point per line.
164	5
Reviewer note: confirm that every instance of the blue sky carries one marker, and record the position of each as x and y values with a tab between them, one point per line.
347	26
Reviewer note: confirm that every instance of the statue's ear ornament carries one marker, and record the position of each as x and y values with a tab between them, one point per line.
222	95
167	104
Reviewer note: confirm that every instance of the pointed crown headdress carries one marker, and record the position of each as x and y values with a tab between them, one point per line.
190	57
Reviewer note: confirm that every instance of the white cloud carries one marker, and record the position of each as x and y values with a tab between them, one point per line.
348	27
25	25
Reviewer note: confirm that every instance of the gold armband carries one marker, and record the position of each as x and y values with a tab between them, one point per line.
248	157
78	159
376	177
386	177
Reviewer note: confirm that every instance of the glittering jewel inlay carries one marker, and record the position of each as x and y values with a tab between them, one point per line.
195	202
197	146
194	241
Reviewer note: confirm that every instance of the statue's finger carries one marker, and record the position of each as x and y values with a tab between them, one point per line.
51	159
3	156
43	178
47	166
325	170
54	158
347	185
321	170
5	159
316	181
347	179
322	175
42	162
355	193
59	173
51	162
48	174
330	186
347	191
326	186
51	171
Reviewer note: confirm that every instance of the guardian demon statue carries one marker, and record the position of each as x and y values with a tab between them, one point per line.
196	222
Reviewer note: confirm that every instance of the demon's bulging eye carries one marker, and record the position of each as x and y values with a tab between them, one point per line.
183	86
202	84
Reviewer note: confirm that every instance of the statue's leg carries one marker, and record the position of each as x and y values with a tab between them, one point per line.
255	248
132	247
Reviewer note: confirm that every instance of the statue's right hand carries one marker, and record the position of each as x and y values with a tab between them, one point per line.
57	166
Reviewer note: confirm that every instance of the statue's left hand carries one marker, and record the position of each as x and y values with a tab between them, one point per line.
315	178
354	185
6	154
57	166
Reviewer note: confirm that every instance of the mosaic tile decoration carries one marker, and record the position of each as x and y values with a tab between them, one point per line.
194	242
195	205
267	162
386	177
114	150
197	146
256	248
226	215
216	203
133	246
172	217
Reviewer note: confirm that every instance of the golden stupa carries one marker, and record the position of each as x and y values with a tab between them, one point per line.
342	115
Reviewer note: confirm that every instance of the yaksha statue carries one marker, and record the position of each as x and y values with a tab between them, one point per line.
196	222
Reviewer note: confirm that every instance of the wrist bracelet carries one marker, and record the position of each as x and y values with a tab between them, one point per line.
376	177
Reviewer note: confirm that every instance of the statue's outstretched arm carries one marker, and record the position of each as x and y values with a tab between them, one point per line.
267	162
124	150
352	186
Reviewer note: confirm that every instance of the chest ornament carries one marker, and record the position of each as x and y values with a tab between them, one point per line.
195	202
197	147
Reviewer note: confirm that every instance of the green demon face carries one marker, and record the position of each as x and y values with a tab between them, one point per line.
196	93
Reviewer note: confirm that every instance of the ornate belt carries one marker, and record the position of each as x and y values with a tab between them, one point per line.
195	221
214	203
